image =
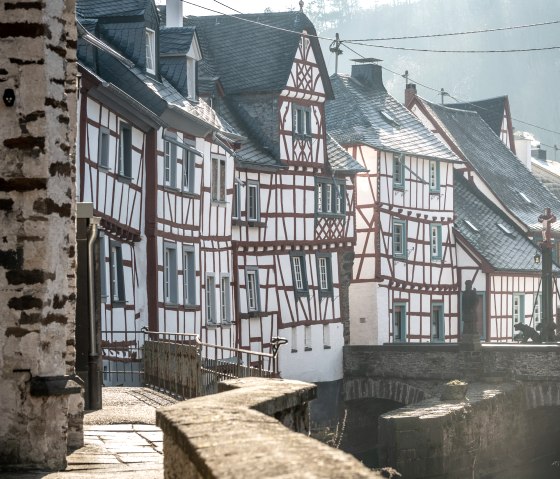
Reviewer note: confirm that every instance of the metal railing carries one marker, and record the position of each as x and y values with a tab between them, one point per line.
182	365
121	352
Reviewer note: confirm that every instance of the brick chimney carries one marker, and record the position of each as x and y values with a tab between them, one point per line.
173	13
409	94
369	74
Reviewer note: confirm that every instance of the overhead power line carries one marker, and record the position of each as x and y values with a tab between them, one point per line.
361	42
458	100
467	32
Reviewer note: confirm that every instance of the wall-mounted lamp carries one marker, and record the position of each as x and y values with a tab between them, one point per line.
9	97
537	258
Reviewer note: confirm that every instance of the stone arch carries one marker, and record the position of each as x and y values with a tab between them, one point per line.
364	388
542	394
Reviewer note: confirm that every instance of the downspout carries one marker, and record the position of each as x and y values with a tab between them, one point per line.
93	363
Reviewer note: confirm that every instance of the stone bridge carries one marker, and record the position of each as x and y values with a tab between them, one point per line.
500	421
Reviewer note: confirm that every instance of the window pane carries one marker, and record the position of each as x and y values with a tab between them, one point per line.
296	261
222	180
320	197
215	179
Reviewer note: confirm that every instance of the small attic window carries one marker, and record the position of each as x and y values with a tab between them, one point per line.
389	118
525	197
471	226
150	51
505	229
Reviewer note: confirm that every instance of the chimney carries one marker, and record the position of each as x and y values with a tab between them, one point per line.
409	94
173	13
368	72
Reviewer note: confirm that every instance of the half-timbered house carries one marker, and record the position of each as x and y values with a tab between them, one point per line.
404	286
511	294
293	193
146	153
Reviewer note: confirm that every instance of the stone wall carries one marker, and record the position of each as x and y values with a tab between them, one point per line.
239	433
37	243
526	362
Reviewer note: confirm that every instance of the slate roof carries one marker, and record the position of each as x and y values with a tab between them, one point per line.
154	95
249	57
175	40
339	159
111	8
490	110
503	251
494	162
354	117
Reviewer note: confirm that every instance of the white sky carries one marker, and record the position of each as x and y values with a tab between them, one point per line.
253	6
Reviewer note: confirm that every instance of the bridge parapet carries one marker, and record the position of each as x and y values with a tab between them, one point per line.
526	362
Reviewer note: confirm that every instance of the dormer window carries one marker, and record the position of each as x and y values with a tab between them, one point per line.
150	51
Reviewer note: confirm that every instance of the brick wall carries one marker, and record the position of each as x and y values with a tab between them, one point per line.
37	243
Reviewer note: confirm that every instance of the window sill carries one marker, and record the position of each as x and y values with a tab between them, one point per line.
103	167
253	314
308	349
191	307
219	203
171	305
179	192
118	304
435	192
399	188
301	294
124	179
325	294
227	324
212	325
322	214
326	347
294	351
302	136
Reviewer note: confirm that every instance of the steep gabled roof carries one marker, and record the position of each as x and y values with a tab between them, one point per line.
490	232
490	110
519	190
339	159
362	114
248	55
111	8
175	40
156	96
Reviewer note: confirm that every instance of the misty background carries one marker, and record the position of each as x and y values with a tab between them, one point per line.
530	79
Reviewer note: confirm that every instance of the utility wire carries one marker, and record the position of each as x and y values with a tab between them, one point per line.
227	6
458	100
361	42
468	32
430	50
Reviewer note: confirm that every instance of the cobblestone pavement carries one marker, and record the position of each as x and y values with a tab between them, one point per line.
121	440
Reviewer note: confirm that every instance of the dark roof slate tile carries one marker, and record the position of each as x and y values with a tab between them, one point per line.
490	110
504	251
508	178
355	117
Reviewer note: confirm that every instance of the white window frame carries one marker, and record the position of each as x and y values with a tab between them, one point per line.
252	288
436	249
189	276
437	330
294	344
299	274
218	180
189	171
308	340
170	273
150	39
124	167
302	120
398	171
537	312
225	298
210	290
169	164
434	176
104	147
118	294
324	274
102	269
518	309
326	336
253	201
399	239
399	308
236	200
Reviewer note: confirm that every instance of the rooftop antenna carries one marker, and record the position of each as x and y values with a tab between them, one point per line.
443	94
334	48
